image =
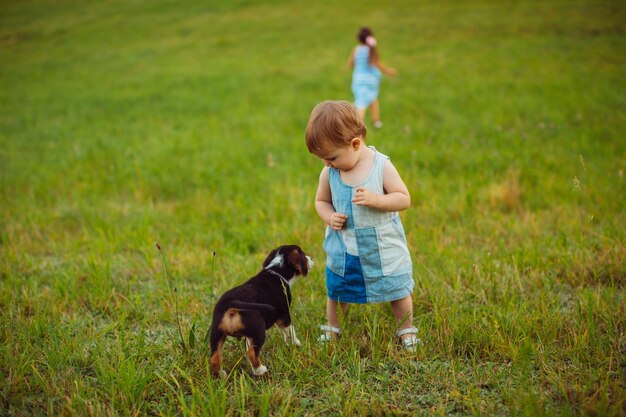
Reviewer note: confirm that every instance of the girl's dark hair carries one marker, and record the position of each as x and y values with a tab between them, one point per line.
364	32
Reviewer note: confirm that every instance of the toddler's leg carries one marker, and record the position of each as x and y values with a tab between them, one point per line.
403	312
331	311
332	331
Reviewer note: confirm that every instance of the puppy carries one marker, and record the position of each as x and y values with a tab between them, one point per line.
255	306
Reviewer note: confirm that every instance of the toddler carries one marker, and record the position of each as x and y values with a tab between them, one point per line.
358	197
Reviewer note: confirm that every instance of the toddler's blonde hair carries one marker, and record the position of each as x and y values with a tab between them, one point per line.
333	124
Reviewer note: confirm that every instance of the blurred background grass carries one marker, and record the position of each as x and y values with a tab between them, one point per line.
126	123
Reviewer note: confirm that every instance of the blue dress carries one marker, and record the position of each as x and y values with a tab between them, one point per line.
368	261
365	78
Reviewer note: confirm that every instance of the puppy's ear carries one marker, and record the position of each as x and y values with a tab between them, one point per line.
269	258
299	262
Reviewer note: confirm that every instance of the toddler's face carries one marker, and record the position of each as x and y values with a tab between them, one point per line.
342	158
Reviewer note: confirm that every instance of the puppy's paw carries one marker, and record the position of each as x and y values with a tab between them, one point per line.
296	342
260	370
223	374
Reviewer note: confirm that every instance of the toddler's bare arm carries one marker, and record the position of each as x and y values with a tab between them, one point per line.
396	197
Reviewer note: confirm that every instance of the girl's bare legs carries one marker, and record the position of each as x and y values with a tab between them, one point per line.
331	311
375	111
362	113
403	312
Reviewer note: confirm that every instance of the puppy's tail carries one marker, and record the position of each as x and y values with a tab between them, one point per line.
242	305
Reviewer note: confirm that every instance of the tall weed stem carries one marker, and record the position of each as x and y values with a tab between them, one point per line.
173	297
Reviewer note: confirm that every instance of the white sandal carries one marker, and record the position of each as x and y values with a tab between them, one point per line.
409	343
325	337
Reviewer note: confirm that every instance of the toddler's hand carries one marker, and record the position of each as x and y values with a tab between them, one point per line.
337	220
364	197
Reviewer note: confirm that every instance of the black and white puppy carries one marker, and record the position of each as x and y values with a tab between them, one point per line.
255	306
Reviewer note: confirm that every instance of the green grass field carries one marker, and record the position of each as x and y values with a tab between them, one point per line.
125	123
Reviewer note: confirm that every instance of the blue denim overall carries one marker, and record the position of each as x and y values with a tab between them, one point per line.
368	261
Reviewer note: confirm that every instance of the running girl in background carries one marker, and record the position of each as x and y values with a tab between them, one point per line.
366	75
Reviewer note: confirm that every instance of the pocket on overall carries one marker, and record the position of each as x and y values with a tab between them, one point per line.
395	257
369	251
335	251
